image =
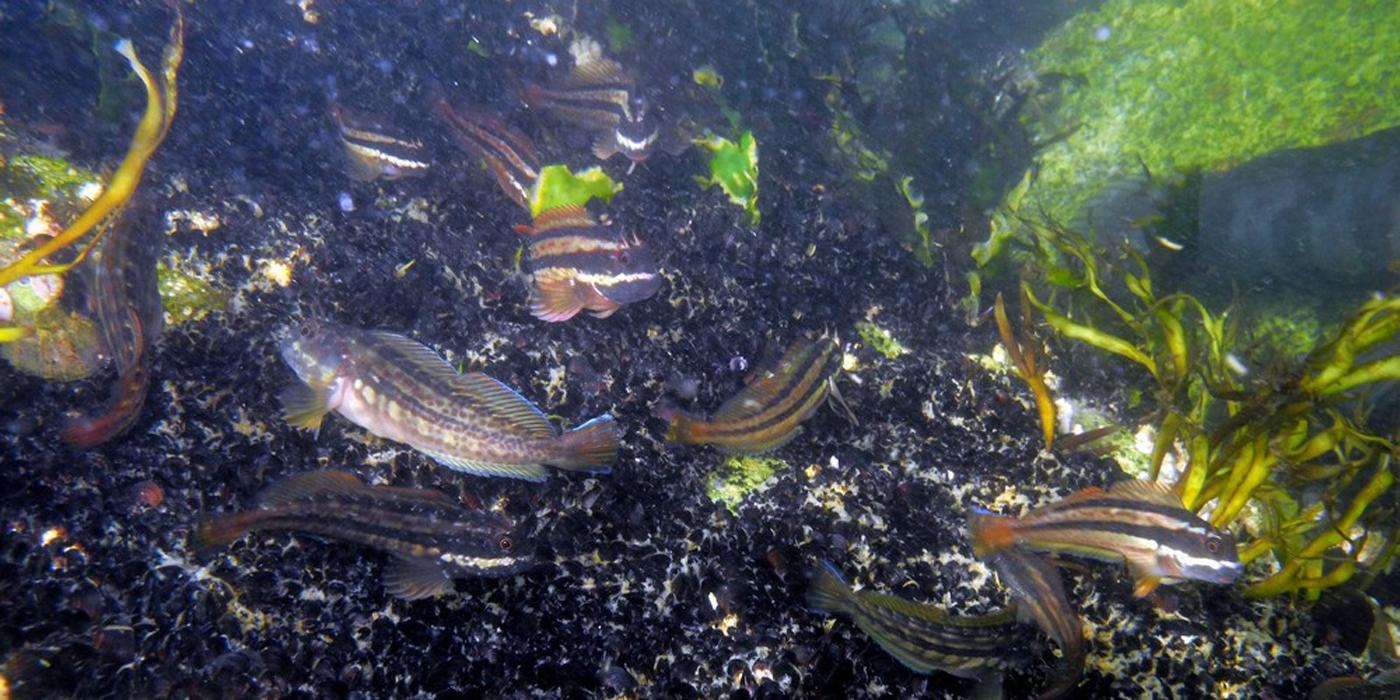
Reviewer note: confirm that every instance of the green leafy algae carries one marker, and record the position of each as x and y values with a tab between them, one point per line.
880	340
734	169
620	37
560	187
1205	85
739	476
186	296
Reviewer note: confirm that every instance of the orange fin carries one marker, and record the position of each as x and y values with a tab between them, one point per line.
591	447
217	532
571	216
989	532
1145	570
1145	586
556	297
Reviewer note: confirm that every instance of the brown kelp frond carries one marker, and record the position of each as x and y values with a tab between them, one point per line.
150	132
1255	441
1026	353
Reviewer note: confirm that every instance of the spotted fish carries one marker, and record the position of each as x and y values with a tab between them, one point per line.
506	152
1140	523
400	389
768	413
923	637
374	149
431	537
576	265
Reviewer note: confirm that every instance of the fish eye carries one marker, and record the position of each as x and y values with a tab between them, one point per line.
505	543
624	256
305	330
1213	544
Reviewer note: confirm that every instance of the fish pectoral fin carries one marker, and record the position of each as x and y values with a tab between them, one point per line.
416	578
527	472
835	397
1146	571
555	297
304	406
605	146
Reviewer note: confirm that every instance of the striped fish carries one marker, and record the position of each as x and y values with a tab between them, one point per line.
400	389
1140	523
768	413
374	150
431	537
925	638
600	96
124	300
506	152
1040	597
578	265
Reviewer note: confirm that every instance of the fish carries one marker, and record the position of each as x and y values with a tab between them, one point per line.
768	413
124	300
601	97
504	150
923	637
1039	596
1140	523
398	388
431	538
374	149
1382	686
576	264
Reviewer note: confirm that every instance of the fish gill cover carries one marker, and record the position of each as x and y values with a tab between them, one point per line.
678	574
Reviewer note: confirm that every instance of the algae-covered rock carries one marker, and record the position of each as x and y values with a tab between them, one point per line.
186	295
62	347
1202	86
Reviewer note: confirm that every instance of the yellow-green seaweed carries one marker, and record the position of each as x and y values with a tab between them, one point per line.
880	340
740	476
558	186
185	296
734	169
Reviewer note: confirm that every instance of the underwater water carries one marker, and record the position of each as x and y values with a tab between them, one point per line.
732	349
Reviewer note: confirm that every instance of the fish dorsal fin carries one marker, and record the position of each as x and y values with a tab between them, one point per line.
1087	494
571	216
310	486
768	383
501	401
1154	492
416	578
427	497
599	71
414	353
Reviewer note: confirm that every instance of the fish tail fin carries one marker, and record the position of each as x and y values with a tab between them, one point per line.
217	532
829	592
679	424
989	532
591	447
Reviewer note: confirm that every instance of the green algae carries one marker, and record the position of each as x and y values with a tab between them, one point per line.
1206	85
739	476
923	251
734	169
880	340
185	296
558	186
